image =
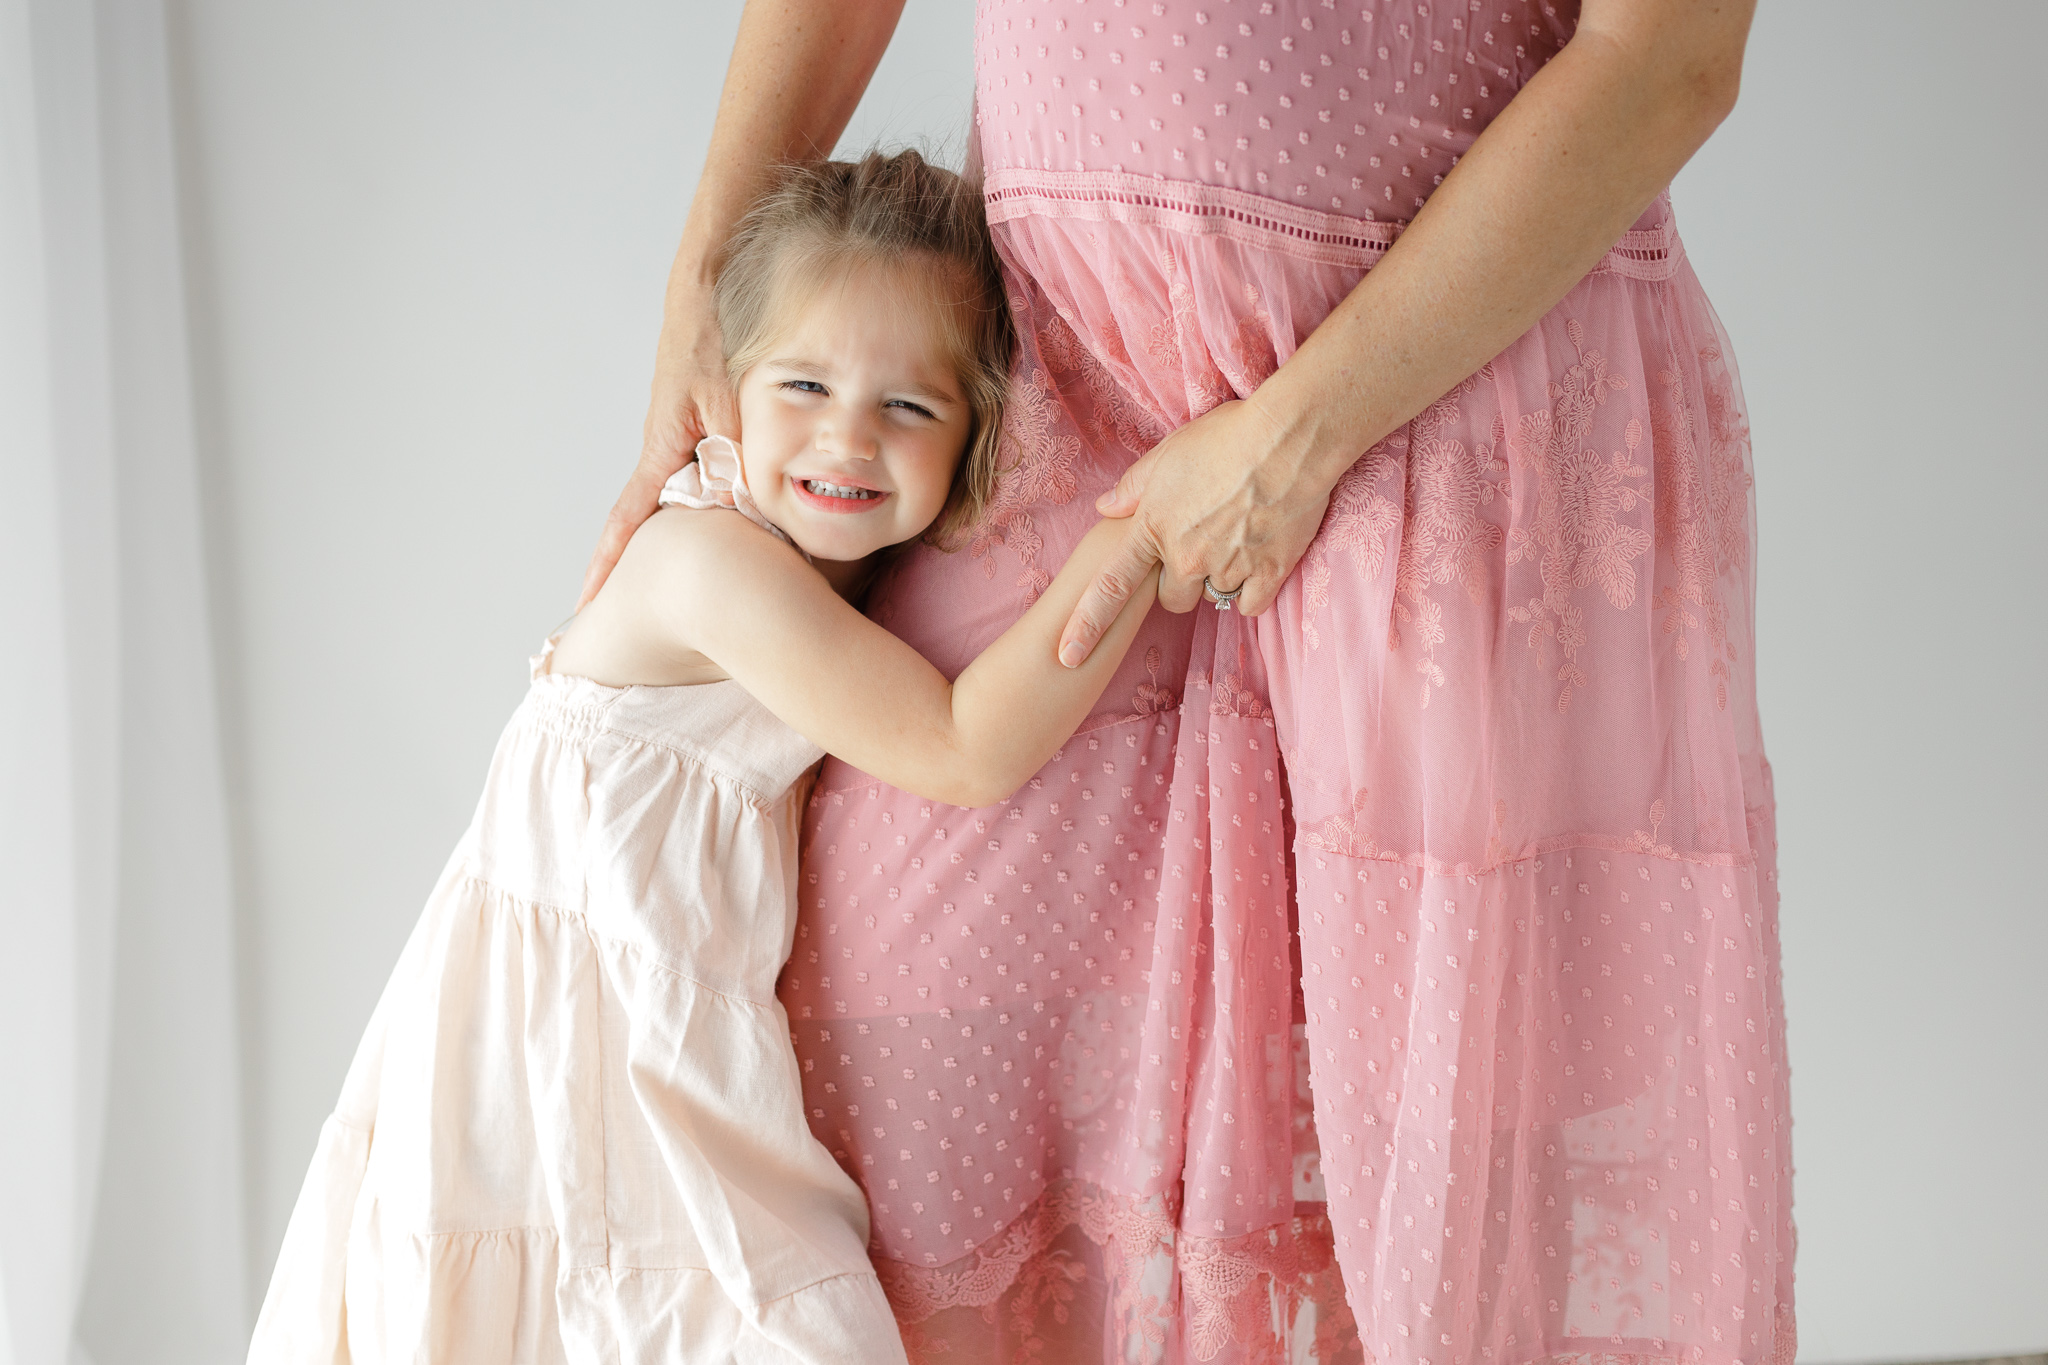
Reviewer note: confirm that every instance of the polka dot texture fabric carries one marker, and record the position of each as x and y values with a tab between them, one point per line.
1356	109
1393	977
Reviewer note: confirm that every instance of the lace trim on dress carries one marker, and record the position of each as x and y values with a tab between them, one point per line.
1243	1292
1227	1285
1198	210
1255	221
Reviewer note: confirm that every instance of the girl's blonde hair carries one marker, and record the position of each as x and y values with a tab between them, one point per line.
824	217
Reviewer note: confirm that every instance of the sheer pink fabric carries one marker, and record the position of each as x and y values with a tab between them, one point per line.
1393	977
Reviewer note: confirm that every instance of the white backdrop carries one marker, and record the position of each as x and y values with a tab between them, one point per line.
121	1218
424	251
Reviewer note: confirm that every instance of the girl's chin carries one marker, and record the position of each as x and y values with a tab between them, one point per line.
841	538
831	549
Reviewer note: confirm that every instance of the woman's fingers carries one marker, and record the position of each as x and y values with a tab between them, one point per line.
1104	599
691	398
690	403
1286	542
635	505
1179	591
1258	594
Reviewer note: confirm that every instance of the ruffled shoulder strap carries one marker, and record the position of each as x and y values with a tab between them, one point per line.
717	479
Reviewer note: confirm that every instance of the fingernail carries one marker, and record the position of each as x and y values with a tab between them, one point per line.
1071	654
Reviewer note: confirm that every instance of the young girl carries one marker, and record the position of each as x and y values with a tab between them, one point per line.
574	1130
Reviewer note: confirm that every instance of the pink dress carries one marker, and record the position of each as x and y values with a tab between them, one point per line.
574	1130
1393	977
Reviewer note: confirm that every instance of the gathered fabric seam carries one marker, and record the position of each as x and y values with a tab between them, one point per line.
649	956
1200	210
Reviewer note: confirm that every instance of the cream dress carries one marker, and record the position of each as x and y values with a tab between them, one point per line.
574	1130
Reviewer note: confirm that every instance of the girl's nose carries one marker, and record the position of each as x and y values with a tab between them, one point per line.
848	437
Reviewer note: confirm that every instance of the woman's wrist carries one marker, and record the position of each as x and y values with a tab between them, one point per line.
695	268
1316	431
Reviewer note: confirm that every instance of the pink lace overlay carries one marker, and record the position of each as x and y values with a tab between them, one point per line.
1393	977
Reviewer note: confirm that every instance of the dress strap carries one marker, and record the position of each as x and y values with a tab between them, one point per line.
717	479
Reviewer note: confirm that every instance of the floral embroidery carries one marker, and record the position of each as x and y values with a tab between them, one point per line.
1058	347
1177	344
1358	522
1037	466
1252	356
1345	834
1586	531
1045	1284
1647	841
1238	692
1577	532
1232	697
1153	696
1229	1284
1702	512
1446	538
1117	415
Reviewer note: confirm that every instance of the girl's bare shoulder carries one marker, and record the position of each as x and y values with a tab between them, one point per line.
645	626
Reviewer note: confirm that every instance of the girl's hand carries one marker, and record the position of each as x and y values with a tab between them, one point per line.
1224	498
691	399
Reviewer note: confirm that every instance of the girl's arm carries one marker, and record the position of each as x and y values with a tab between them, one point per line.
713	583
1546	189
798	69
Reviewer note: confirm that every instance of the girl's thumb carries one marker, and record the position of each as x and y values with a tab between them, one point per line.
1122	500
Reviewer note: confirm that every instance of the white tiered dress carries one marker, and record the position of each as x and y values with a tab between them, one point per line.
574	1130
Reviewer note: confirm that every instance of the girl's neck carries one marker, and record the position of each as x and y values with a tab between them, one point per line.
849	577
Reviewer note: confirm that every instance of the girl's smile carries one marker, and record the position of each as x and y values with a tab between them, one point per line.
844	494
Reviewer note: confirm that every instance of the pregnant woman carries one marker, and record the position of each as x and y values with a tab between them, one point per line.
1390	971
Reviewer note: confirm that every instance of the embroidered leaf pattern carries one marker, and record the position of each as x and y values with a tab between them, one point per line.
1578	535
1038	462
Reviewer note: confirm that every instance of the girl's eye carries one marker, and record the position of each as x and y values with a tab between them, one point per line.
801	386
909	406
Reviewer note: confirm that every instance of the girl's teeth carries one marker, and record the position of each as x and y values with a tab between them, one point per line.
834	490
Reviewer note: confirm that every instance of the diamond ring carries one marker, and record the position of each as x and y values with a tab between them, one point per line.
1218	596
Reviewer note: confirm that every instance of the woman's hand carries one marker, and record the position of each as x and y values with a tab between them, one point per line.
691	399
1225	498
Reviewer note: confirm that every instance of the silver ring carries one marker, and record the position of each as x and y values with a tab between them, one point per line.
1220	598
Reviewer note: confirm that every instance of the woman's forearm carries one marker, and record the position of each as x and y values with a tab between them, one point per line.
798	69
1543	193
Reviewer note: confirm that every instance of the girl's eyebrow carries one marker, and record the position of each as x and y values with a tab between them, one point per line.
927	392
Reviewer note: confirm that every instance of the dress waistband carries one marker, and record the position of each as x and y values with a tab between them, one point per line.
1251	220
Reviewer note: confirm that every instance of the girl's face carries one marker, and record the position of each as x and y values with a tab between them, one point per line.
852	425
